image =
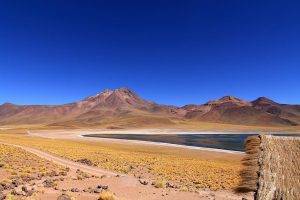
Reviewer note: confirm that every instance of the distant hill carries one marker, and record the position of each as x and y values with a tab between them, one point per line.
261	111
126	107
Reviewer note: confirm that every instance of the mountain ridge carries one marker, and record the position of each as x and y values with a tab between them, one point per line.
123	103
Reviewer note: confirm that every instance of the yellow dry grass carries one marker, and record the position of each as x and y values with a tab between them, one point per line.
189	169
21	164
107	195
251	162
145	121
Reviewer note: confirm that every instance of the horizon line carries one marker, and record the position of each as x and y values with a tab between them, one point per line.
128	88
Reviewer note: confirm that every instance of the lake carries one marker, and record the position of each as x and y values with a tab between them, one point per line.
218	141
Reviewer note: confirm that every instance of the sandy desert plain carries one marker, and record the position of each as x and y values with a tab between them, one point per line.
49	163
61	164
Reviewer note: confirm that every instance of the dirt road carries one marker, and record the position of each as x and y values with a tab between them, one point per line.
61	161
129	187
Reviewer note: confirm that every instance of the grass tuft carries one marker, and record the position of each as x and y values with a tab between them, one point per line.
160	184
107	195
249	174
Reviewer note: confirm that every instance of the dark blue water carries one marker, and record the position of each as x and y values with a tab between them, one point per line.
218	141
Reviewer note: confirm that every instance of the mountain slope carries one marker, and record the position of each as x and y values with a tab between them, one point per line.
126	108
236	111
284	111
119	103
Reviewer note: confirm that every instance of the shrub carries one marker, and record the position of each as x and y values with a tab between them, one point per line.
159	184
107	195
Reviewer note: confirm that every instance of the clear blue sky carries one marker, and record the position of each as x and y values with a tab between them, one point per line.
171	52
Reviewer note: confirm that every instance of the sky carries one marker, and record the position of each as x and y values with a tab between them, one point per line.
170	52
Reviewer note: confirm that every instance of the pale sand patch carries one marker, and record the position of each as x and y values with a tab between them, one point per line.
4	174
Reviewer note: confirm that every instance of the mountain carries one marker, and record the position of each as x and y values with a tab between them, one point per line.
284	111
126	109
233	110
117	104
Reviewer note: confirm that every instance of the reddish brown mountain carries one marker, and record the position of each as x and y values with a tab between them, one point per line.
114	105
284	111
126	107
236	111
